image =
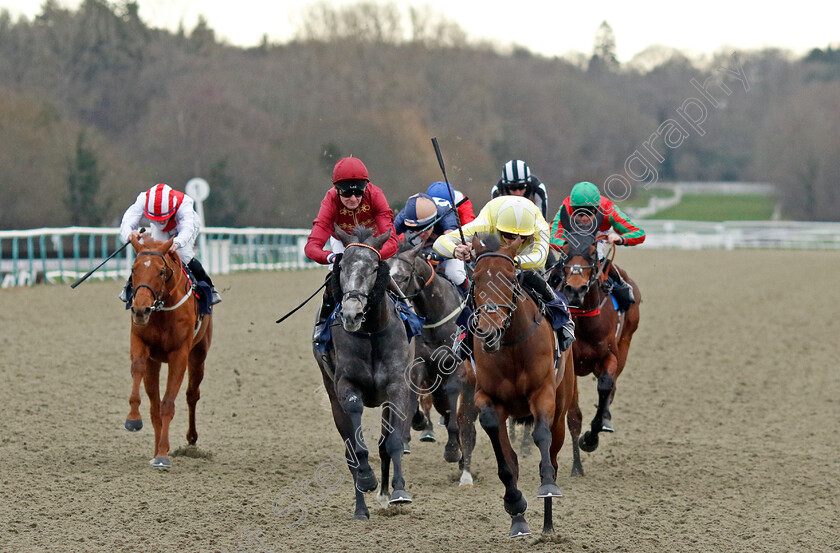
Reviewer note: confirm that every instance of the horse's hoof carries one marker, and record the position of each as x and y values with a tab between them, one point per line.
442	421
588	442
427	436
518	527
466	480
577	470
606	425
366	482
361	516
161	463
452	452
400	496
418	421
133	425
406	448
549	490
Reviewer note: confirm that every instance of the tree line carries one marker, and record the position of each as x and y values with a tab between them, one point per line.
96	105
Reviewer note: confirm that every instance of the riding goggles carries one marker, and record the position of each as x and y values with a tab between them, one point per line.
351	191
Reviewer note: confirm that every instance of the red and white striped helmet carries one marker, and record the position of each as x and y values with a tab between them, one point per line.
161	202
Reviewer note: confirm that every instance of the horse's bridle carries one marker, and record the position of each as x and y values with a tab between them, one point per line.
493	307
414	276
355	294
159	299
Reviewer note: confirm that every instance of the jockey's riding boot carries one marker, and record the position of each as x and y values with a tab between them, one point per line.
327	307
199	272
533	282
125	293
622	291
464	287
566	335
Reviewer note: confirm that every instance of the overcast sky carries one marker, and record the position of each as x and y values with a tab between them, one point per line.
549	27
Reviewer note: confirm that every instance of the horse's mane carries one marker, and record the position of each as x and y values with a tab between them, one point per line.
361	233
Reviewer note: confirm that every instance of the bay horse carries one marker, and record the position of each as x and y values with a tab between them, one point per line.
165	328
438	371
366	366
515	374
602	334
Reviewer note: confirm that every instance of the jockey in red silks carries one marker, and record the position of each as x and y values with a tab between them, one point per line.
171	215
584	202
352	201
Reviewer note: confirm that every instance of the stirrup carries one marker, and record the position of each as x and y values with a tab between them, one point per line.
123	296
215	297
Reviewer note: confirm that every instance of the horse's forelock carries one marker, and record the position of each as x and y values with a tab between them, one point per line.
490	241
360	234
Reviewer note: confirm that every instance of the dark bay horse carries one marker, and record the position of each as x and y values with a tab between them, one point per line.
602	334
438	372
366	367
515	375
165	328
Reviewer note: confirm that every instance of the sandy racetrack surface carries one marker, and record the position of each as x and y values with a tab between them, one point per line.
726	417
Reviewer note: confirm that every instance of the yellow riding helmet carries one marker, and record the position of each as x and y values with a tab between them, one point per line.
517	215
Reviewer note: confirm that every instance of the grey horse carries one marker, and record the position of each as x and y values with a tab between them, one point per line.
435	370
366	366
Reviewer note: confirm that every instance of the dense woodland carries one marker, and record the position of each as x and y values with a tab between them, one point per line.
95	106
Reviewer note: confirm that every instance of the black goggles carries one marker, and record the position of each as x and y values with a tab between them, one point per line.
352	191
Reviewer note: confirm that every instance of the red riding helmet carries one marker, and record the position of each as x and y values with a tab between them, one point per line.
350	168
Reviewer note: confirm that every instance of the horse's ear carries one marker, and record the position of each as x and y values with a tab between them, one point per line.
166	245
379	241
343	236
477	245
565	220
416	249
136	243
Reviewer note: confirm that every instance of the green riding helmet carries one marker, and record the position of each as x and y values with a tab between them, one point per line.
585	194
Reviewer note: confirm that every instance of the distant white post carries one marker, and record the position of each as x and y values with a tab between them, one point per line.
199	190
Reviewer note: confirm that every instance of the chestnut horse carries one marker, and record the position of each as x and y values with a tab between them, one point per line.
164	314
602	334
515	375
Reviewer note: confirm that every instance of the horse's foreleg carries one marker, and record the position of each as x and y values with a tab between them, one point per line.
589	442
352	405
196	375
543	410
345	428
467	413
175	376
151	380
493	422
134	421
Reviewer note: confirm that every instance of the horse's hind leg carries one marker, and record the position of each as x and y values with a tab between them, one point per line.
151	380
448	404
492	421
396	414
574	419
427	433
195	376
467	413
